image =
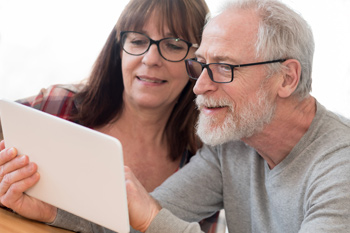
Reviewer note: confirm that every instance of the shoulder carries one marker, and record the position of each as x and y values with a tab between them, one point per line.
328	151
330	121
327	144
328	132
328	187
57	99
232	152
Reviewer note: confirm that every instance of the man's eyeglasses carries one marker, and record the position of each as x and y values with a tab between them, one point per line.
218	72
171	49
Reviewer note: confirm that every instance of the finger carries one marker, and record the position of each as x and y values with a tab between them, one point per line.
15	164
142	207
7	155
16	176
15	195
27	206
2	145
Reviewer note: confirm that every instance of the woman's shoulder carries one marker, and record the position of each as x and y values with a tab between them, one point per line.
57	99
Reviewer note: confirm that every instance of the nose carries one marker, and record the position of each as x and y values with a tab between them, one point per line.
204	84
152	56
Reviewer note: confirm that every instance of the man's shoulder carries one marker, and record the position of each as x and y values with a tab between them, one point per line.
339	120
332	124
329	140
338	127
332	118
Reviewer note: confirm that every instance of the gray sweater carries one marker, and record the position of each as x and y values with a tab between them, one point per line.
309	191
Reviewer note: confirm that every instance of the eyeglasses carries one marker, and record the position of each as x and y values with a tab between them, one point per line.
171	49
218	72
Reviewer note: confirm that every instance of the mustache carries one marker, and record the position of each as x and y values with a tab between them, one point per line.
209	102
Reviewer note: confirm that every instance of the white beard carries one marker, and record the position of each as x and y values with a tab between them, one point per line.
252	119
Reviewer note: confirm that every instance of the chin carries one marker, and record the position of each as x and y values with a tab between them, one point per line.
216	132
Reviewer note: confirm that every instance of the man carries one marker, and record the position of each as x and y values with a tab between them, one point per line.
276	160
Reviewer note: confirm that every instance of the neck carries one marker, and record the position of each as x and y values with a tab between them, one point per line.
145	148
140	125
291	121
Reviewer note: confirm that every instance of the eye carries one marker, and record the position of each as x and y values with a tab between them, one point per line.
174	45
138	41
224	68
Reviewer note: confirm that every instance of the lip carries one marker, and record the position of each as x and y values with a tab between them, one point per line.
150	80
213	111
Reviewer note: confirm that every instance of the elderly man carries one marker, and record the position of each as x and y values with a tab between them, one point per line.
276	160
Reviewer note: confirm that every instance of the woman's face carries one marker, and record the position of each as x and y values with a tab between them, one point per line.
149	80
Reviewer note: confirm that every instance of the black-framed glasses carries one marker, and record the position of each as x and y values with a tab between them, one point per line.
171	49
218	72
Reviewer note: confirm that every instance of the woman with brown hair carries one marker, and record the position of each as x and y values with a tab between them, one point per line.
138	92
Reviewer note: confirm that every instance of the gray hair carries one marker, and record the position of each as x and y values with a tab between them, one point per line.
283	33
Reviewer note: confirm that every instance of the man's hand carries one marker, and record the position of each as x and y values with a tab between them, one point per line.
142	207
18	174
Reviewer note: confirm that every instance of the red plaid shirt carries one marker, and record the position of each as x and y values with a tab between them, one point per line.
57	100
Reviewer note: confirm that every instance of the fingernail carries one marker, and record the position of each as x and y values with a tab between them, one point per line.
10	151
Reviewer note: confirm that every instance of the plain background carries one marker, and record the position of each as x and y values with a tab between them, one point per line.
46	42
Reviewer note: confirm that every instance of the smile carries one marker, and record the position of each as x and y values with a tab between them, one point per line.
150	80
215	107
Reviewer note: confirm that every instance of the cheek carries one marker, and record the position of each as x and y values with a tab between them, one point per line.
238	97
129	65
179	79
178	72
124	71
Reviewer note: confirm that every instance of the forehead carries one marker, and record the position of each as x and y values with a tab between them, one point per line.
156	22
164	24
231	35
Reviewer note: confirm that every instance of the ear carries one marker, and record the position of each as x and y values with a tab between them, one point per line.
291	78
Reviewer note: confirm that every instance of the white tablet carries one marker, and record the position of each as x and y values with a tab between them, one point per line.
81	170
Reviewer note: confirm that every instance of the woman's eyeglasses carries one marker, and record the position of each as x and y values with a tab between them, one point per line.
171	49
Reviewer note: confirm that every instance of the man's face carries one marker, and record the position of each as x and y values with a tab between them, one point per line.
236	110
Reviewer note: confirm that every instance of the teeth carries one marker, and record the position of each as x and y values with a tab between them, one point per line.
151	80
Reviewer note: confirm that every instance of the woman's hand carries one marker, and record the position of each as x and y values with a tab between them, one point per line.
18	174
142	207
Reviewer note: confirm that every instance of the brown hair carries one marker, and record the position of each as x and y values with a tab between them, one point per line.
101	100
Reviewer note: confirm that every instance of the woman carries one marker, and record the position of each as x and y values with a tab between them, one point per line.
138	92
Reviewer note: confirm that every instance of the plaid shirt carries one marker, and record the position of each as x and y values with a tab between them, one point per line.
58	100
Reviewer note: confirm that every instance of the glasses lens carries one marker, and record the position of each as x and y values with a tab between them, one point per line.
194	69
222	72
135	43
173	49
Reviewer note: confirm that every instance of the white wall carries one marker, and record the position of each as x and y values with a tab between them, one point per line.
45	42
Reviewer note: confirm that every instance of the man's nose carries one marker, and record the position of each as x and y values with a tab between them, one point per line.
204	83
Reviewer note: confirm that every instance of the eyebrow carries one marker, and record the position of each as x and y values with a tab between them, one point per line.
166	35
220	58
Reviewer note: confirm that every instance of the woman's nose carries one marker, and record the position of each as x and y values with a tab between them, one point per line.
152	56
